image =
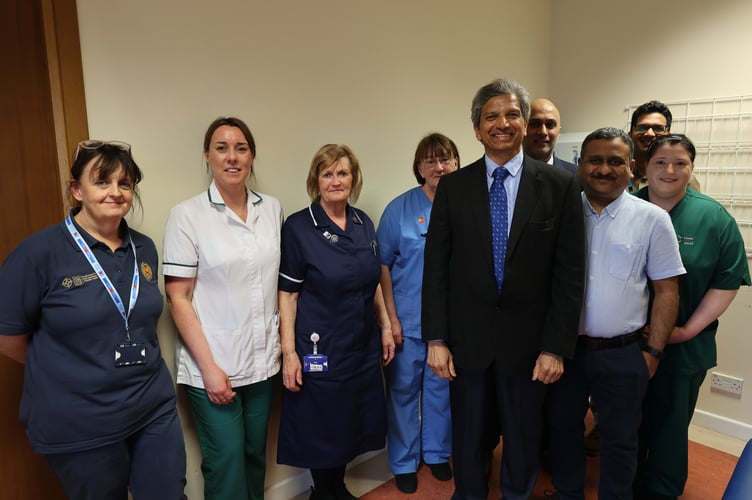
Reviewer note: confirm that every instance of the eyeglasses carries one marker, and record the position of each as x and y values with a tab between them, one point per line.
92	145
644	127
434	162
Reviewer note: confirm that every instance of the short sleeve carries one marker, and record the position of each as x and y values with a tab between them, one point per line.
388	235
180	249
663	257
731	270
292	263
22	285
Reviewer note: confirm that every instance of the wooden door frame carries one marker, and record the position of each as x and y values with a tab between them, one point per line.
63	49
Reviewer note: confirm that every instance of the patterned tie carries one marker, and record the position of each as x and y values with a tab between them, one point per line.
499	215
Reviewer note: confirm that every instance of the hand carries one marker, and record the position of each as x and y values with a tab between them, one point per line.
397	332
217	385
652	363
387	346
440	360
548	368
292	372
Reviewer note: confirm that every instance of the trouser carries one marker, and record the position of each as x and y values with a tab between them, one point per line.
151	463
419	418
617	379
233	441
476	394
668	408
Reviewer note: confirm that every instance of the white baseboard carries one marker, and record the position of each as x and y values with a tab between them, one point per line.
301	482
724	425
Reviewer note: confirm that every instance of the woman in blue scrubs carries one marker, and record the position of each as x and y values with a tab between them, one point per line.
333	408
79	304
418	414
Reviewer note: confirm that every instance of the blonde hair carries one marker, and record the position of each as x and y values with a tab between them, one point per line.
324	158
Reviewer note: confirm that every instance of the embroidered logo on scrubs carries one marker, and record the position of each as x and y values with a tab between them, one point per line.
146	271
421	220
78	280
686	239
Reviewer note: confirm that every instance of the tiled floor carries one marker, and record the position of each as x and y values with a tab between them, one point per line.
372	473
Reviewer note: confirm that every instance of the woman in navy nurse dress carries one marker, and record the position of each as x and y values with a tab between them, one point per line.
328	281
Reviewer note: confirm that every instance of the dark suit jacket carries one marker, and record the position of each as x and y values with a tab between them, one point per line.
566	165
538	308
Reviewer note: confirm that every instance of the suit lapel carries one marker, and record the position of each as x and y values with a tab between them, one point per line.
527	197
478	200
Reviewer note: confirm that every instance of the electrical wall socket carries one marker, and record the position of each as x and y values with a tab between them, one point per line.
726	383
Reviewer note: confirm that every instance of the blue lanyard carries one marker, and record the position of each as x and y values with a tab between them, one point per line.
97	267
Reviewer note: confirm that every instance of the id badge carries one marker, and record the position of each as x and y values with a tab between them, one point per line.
130	354
315	363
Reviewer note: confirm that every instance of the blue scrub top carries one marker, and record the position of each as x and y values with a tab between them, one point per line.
74	398
402	240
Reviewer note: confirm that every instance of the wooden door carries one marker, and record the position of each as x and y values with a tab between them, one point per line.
42	113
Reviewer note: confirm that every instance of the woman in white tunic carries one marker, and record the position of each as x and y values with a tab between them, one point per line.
221	259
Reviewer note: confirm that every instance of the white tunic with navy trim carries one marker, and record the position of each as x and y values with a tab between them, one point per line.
235	265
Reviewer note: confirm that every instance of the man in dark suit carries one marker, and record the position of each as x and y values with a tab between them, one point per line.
503	327
543	130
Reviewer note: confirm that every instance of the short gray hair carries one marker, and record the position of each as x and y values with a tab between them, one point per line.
499	87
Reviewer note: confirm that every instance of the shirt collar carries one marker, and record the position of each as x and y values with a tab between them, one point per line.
612	209
215	198
91	240
320	219
513	166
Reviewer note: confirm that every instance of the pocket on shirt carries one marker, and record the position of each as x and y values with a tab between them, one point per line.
623	259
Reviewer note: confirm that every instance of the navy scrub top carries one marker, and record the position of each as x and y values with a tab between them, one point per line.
74	398
340	413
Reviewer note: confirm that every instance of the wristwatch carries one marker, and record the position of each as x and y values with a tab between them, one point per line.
654	352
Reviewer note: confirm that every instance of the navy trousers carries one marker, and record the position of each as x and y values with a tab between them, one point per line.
151	463
617	379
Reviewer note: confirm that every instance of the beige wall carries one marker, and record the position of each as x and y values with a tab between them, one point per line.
378	76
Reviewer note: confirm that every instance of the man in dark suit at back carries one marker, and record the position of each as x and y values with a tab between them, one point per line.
543	130
502	290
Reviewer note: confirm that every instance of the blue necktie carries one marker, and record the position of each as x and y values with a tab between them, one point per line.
499	220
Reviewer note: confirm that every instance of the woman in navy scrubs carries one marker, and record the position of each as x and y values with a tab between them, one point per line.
333	408
79	305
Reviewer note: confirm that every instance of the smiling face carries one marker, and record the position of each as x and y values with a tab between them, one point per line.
646	129
229	157
542	130
604	169
502	127
335	182
103	200
669	171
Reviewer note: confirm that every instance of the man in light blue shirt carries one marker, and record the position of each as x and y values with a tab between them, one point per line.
631	246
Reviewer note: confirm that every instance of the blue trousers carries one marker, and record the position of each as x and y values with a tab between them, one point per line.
151	463
233	441
617	379
419	419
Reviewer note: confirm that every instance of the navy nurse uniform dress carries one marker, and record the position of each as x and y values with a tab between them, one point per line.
340	413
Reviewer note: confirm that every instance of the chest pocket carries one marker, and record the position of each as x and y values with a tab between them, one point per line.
624	259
